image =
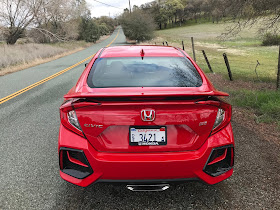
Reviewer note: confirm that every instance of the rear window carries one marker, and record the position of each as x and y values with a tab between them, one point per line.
149	72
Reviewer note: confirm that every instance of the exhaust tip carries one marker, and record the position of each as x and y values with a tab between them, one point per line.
148	187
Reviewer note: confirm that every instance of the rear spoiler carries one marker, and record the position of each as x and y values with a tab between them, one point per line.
149	94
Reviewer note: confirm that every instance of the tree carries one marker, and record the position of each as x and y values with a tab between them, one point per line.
174	8
138	25
108	21
17	15
194	8
248	12
58	20
88	30
48	20
103	29
162	17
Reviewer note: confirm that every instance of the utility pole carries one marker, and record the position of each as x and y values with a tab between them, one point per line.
129	6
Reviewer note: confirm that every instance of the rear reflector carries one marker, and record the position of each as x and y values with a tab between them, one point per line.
74	163
220	161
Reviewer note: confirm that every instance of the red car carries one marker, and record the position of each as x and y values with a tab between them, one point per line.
145	116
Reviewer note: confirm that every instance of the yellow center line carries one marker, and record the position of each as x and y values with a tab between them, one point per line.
7	98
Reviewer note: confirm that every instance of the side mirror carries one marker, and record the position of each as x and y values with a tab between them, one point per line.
86	64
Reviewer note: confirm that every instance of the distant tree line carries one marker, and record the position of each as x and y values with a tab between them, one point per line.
175	12
51	21
171	13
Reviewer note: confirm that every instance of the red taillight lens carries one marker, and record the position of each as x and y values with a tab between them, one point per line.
69	118
223	117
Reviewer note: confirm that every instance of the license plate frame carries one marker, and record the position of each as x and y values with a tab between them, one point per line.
145	130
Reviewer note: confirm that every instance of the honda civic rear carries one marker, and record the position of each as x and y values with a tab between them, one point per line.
144	115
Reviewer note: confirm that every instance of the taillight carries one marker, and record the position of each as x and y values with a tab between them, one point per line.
73	120
223	117
69	118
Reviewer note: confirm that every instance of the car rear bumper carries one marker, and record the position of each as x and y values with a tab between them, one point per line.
146	167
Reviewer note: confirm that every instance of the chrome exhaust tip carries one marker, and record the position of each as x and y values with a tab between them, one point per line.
148	187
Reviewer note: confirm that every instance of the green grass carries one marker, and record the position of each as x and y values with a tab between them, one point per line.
265	103
243	52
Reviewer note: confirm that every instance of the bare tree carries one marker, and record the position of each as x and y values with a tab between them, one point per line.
17	15
59	19
249	12
53	18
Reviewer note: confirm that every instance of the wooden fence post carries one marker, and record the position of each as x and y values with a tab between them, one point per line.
207	61
228	67
278	73
193	49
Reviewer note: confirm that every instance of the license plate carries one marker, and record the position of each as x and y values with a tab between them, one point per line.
147	136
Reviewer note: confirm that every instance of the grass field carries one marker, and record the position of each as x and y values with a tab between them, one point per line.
248	90
24	55
243	50
21	56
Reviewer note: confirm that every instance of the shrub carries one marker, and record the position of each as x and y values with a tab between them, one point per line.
88	30
271	39
138	25
103	29
110	23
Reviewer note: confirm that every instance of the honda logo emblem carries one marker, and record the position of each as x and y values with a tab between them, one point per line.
148	115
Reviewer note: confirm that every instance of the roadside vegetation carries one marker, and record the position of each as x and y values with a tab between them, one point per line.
21	56
33	32
266	103
173	13
137	25
24	55
47	21
243	51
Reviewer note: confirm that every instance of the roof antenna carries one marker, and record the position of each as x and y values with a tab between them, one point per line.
142	54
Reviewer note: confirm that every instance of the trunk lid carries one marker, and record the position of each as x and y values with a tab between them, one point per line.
106	124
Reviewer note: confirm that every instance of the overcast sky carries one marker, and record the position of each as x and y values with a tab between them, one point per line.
98	9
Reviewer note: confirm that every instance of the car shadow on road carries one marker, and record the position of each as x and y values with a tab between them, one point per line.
107	196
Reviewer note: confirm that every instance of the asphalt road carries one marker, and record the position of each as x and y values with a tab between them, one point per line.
29	173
